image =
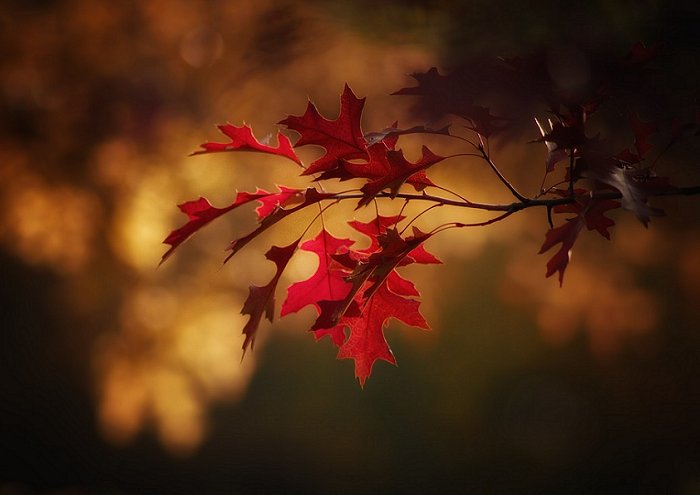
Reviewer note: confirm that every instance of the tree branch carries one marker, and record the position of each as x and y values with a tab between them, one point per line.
519	205
498	173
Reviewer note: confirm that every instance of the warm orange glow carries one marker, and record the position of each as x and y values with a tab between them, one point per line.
171	345
168	362
52	225
600	299
141	218
123	404
121	375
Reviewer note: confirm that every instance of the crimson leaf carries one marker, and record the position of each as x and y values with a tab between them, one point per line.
200	212
589	213
242	139
327	282
342	138
261	300
366	343
311	196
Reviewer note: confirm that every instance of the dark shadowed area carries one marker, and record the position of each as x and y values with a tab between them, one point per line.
123	378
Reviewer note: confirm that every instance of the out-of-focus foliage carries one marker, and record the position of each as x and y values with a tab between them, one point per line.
103	102
108	373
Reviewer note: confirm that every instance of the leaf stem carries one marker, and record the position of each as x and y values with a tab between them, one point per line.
459	225
450	191
418	216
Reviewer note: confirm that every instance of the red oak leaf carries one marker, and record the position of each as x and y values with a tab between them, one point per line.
593	212
442	94
331	312
422	257
430	83
589	213
311	196
269	203
242	139
261	300
336	334
373	229
566	235
378	227
328	282
452	94
395	251
400	170
376	165
419	254
342	138
355	262
200	212
366	343
483	121
374	265
401	286
383	164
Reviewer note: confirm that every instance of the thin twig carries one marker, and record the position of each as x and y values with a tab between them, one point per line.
498	173
418	216
459	225
520	205
450	191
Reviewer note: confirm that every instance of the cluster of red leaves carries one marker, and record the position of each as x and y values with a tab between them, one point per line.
355	292
359	290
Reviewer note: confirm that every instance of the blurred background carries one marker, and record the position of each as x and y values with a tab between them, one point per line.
118	377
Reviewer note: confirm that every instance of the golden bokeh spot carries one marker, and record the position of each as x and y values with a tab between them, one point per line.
122	408
168	362
53	225
601	300
141	219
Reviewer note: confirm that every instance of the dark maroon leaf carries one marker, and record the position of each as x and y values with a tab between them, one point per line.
589	213
261	300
